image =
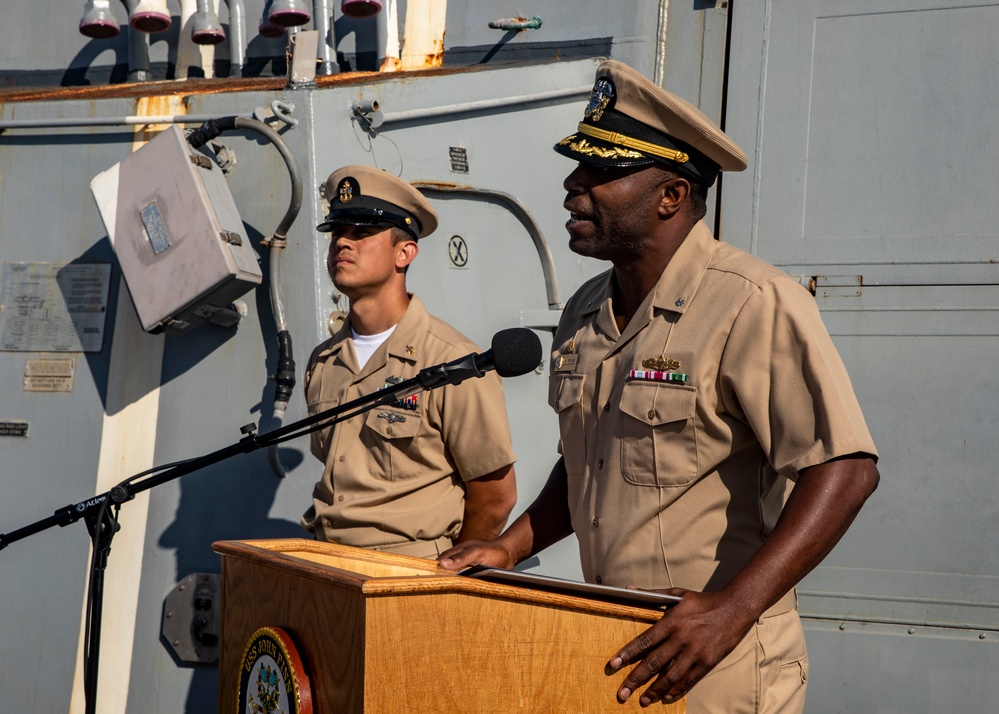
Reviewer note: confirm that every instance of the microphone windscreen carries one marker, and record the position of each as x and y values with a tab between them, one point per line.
515	351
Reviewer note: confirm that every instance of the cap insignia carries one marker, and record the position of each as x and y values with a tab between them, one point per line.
345	190
601	99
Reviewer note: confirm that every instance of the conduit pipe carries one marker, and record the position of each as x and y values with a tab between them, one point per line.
237	37
150	16
423	38
190	54
138	56
322	14
388	32
133	120
206	28
361	8
267	28
138	48
289	13
387	118
98	22
467	107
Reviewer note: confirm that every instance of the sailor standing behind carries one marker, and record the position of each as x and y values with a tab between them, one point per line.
435	468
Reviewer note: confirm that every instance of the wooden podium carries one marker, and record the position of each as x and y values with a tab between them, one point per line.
381	633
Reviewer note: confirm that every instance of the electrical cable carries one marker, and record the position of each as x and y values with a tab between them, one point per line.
284	375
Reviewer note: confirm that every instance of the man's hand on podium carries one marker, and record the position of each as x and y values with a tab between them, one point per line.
477	552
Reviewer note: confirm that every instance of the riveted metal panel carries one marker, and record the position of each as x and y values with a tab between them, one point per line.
862	667
867	162
852	112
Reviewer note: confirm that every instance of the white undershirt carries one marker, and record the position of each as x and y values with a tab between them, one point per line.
365	345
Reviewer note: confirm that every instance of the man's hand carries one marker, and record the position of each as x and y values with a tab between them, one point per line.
696	635
690	639
476	552
543	523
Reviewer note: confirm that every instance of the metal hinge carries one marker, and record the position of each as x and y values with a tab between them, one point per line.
833	286
202	161
231	238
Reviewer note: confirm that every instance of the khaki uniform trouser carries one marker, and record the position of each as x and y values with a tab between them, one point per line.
420	548
765	674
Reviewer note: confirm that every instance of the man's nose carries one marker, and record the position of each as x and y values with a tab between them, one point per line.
574	182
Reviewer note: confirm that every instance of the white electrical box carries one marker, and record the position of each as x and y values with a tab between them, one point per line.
179	239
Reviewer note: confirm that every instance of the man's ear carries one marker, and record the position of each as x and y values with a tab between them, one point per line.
406	252
675	192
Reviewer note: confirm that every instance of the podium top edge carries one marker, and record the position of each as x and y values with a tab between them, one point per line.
376	574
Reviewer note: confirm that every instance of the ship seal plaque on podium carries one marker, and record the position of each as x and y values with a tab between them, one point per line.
272	678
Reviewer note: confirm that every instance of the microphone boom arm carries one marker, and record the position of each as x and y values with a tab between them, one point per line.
454	372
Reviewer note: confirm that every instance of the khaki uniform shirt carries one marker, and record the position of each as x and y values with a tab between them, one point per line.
393	477
679	484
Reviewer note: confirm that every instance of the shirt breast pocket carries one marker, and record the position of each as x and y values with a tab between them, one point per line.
390	437
565	394
658	434
320	439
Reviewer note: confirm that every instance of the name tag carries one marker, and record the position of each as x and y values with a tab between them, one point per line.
566	363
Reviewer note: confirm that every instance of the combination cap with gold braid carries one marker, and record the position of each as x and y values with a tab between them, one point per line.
629	121
366	196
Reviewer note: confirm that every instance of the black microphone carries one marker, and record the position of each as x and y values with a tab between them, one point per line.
515	351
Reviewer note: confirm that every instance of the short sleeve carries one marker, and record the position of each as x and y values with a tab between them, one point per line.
475	427
782	375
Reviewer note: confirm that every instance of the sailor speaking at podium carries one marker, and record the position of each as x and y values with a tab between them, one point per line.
434	468
694	385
